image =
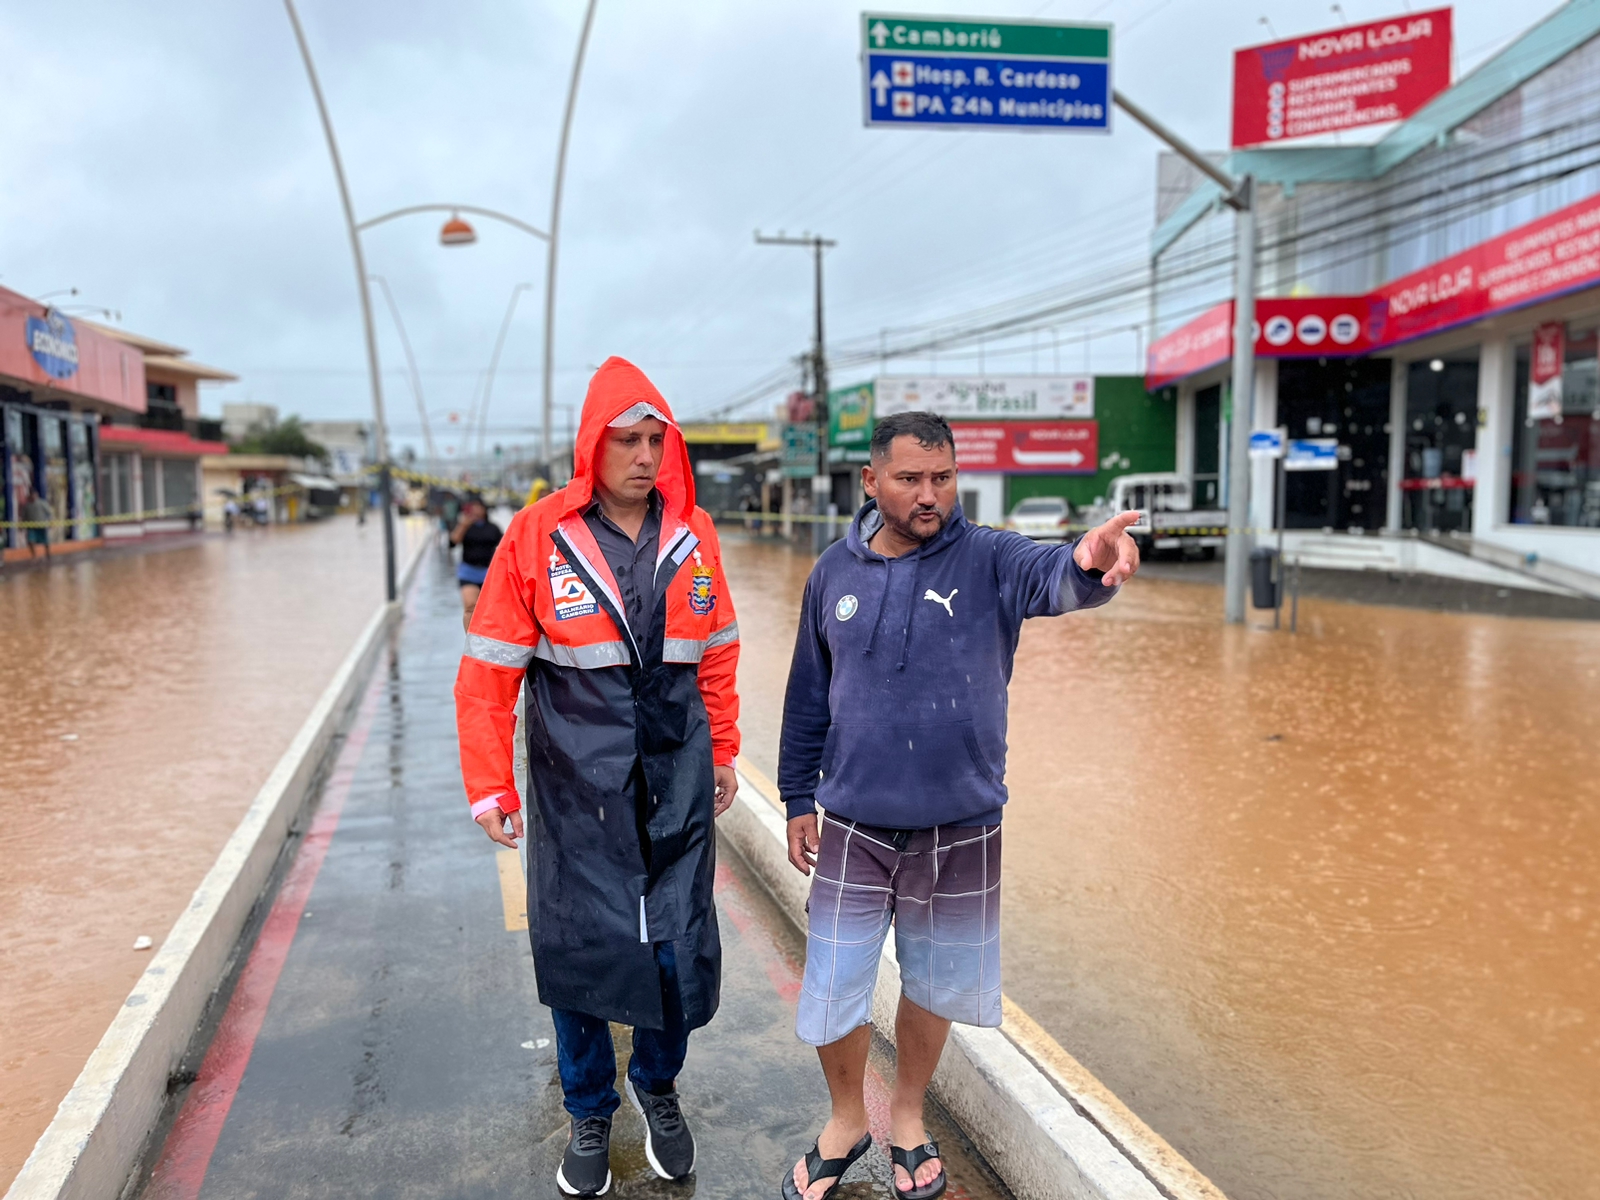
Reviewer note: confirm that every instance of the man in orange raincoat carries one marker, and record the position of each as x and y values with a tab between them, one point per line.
606	602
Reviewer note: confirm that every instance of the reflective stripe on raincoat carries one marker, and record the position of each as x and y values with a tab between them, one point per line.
621	737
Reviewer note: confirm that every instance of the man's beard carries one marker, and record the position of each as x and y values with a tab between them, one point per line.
911	533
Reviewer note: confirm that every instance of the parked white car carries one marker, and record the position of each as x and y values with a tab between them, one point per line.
1043	518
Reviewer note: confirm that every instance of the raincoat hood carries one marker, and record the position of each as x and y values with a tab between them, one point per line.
615	388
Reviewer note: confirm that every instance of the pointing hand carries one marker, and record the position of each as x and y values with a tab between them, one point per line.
1110	549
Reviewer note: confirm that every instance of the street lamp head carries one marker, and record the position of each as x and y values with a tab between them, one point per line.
457	232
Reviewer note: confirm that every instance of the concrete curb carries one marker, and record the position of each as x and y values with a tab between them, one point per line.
1044	1123
92	1146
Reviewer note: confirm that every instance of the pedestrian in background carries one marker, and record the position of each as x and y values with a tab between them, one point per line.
37	512
607	607
477	536
449	514
894	723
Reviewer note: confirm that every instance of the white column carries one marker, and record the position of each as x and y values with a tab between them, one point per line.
1183	459
1399	373
1263	504
136	482
1491	498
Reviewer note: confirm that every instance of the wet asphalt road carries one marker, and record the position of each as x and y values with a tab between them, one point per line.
401	1051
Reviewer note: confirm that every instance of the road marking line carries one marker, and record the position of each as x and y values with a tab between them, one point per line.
764	787
513	889
1173	1174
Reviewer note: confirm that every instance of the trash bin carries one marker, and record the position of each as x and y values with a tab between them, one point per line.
1264	577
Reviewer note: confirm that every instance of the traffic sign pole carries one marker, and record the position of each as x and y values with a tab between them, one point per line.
1240	196
1283	574
1236	567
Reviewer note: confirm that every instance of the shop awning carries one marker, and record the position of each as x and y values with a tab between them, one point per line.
315	483
166	442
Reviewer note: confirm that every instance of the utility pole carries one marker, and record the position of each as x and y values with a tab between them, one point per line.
1239	195
821	485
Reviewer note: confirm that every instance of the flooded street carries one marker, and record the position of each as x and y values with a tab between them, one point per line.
1323	910
144	697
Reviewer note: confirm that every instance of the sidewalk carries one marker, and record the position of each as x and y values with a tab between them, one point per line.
384	1037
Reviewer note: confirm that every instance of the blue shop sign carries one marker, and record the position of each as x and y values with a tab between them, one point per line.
53	344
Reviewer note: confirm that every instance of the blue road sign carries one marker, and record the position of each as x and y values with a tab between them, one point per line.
1312	454
1266	443
966	73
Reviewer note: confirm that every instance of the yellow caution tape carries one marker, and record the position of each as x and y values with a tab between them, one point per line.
846	518
149	514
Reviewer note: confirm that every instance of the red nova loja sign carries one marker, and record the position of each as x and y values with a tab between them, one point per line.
1539	261
1018	447
1341	79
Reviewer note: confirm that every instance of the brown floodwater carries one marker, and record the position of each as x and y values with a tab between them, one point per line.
1324	910
144	698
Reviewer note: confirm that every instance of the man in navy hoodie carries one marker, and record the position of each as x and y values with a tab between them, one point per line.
894	724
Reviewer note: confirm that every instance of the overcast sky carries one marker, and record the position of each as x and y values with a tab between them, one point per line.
165	159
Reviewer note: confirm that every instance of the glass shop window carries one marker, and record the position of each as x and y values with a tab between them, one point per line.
1555	473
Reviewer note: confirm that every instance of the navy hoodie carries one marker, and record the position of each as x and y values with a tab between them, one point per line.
895	713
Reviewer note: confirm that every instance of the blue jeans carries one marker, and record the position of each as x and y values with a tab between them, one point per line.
588	1061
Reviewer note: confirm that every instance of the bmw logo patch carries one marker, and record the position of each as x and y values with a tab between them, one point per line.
846	608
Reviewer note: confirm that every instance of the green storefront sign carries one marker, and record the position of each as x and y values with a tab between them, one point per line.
850	423
799	451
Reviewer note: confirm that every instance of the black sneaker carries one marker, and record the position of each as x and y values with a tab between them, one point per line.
668	1144
585	1168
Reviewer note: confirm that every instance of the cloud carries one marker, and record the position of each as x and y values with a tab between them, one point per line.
167	161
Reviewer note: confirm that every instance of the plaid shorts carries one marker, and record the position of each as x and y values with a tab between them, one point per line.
940	886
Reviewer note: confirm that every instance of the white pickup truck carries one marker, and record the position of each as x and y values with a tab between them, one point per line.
1169	519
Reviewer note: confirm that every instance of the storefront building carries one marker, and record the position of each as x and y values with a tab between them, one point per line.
60	380
1016	435
734	462
1412	293
102	425
150	474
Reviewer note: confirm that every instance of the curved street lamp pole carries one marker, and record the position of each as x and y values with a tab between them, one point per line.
550	237
494	359
555	231
381	424
411	363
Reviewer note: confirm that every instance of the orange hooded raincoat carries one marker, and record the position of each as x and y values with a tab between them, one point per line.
621	737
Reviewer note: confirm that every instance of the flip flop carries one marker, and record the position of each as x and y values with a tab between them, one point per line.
911	1160
818	1167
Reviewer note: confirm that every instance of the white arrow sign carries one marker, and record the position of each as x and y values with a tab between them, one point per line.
1047	458
880	34
880	88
